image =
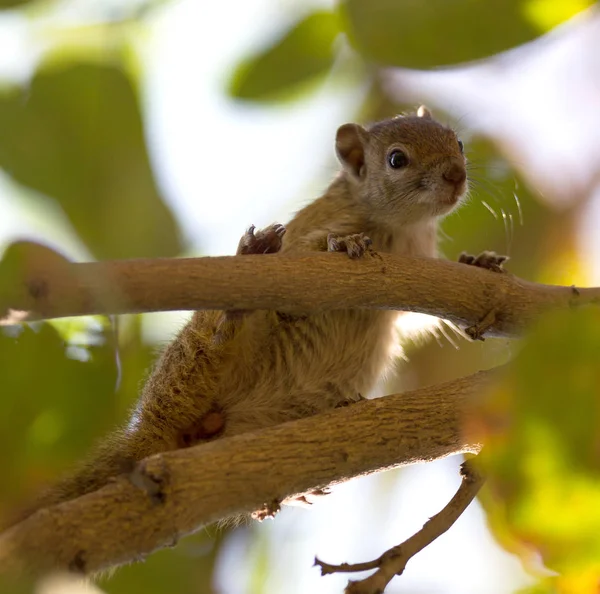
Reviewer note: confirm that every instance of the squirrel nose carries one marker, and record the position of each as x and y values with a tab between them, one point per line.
455	174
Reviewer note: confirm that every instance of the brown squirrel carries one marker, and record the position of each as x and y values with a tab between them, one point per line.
228	373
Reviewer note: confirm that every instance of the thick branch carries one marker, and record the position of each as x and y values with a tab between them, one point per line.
50	288
177	492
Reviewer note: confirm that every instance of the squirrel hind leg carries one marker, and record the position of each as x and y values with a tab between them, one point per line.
211	425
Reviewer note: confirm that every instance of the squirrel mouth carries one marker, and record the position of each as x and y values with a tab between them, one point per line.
457	194
454	197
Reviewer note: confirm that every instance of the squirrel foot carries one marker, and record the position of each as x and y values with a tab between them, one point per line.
264	241
488	260
210	425
268	510
354	245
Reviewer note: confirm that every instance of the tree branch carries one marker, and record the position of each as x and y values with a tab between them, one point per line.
175	493
393	562
50	287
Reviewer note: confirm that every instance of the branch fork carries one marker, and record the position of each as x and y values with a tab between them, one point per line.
393	561
175	493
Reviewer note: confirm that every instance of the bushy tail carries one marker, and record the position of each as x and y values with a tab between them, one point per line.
114	455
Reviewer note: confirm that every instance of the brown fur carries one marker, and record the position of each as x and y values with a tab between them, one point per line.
225	375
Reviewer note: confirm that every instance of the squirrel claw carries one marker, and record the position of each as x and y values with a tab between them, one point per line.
264	241
307	499
269	510
354	245
488	260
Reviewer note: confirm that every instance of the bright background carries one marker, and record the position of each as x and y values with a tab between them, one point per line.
217	162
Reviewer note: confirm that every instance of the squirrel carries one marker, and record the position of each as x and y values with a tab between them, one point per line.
231	372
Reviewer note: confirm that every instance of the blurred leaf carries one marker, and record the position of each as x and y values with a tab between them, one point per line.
4	4
579	583
76	135
542	587
542	449
444	32
547	14
18	584
302	54
56	398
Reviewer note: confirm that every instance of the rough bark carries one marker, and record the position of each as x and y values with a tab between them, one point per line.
175	493
46	286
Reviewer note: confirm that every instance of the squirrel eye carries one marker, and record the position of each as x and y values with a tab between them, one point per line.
397	159
461	146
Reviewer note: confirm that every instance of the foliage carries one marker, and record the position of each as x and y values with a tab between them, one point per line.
400	33
541	452
308	46
74	134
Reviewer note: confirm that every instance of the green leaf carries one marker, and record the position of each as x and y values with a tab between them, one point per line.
303	54
4	4
56	399
541	454
76	135
416	34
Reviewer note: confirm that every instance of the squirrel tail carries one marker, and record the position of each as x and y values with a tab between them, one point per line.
114	455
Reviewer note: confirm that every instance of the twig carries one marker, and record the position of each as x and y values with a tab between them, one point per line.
125	519
39	285
393	562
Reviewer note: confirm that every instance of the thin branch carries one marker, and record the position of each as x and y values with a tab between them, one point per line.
393	562
50	287
175	493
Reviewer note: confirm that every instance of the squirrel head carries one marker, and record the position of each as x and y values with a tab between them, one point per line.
405	169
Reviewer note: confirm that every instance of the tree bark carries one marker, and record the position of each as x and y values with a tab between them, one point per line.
175	493
47	286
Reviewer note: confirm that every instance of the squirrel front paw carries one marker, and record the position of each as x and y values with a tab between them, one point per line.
488	260
354	245
264	241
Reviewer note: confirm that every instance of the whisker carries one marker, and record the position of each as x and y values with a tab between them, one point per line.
518	208
504	220
444	235
508	219
494	214
500	163
490	188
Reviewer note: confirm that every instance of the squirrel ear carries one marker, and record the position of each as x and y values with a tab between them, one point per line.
423	112
350	147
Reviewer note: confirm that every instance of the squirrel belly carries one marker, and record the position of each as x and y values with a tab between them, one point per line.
229	373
